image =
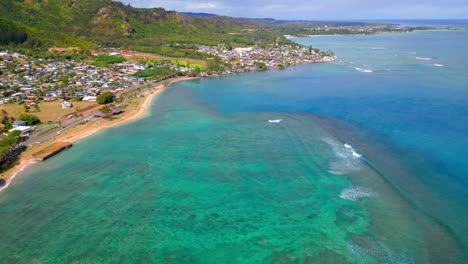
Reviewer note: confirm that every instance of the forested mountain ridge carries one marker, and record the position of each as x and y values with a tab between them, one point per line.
89	23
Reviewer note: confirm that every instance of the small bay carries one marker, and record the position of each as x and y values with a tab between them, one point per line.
363	160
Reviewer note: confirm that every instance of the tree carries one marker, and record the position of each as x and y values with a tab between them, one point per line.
36	105
26	108
30	119
16	88
105	110
261	66
6	120
105	98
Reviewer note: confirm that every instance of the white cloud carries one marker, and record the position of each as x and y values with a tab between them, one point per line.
203	6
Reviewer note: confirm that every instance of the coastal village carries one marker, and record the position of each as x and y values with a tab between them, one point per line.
276	57
359	28
29	80
33	84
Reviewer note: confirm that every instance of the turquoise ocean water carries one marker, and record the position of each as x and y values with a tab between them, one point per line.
206	178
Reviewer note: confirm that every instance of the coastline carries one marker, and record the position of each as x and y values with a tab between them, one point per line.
77	133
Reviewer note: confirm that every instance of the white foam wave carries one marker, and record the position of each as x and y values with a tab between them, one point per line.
438	65
423	58
355	193
275	120
344	162
363	70
361	252
8	182
378	252
378	48
352	150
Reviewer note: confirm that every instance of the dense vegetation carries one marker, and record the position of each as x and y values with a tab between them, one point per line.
11	34
6	143
106	110
9	151
85	24
156	72
262	66
30	119
104	60
105	98
6	121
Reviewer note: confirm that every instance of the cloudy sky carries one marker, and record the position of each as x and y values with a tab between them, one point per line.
317	9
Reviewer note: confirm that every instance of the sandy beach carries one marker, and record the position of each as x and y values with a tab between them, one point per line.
74	134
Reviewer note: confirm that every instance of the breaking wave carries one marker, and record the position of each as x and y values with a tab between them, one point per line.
8	182
275	120
344	161
363	70
378	253
423	58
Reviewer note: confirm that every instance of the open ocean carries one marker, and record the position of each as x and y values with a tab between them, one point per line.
206	178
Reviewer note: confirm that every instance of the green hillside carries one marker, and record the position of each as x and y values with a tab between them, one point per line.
89	23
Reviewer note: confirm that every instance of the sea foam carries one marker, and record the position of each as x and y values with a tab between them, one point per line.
355	193
275	120
345	161
352	150
363	70
8	182
423	58
438	65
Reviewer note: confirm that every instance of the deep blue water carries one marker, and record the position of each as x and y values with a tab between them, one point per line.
407	97
409	92
459	23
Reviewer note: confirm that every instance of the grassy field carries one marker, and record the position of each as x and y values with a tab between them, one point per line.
49	110
140	56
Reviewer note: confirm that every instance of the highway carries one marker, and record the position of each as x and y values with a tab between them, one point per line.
35	139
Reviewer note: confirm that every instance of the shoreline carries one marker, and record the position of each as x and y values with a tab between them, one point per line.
26	159
291	37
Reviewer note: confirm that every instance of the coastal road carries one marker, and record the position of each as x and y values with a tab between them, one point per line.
35	139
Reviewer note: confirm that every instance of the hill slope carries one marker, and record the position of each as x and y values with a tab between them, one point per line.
88	23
